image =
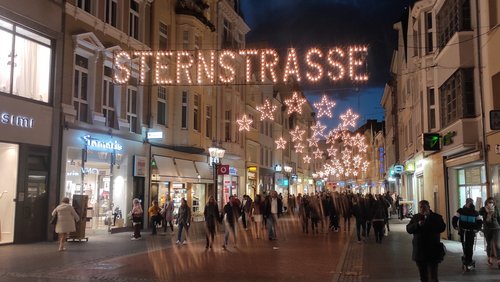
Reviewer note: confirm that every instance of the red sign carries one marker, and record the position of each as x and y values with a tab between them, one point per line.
223	169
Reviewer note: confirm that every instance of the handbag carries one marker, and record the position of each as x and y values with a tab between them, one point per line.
54	220
441	252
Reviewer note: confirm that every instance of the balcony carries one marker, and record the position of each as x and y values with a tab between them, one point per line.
195	8
458	53
460	136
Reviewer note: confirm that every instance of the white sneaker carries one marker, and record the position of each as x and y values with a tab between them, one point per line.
185	242
178	242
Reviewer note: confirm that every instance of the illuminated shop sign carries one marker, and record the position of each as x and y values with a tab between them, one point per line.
202	67
17	120
94	143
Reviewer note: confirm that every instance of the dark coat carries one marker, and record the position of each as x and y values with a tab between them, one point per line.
426	241
228	213
267	207
211	214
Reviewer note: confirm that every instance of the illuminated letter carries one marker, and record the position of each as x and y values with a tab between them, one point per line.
182	57
265	64
124	74
209	69
142	55
335	64
227	66
353	63
291	58
248	62
314	65
162	67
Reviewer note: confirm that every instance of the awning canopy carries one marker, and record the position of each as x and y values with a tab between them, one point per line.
205	171
186	168
166	166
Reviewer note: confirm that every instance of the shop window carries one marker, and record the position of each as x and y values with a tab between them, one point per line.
25	62
108	100
110	12
80	88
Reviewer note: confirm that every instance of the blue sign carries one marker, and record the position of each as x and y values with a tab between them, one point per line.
285	182
399	168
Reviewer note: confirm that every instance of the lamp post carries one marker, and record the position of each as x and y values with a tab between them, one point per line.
216	155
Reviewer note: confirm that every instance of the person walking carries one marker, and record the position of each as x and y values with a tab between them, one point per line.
428	251
66	218
246	209
212	216
379	218
256	214
229	219
183	221
136	214
357	211
154	216
273	208
468	222
168	214
491	229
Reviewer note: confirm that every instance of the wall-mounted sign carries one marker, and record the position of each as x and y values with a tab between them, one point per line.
155	134
93	143
252	168
448	138
140	166
222	169
399	168
17	120
278	168
233	171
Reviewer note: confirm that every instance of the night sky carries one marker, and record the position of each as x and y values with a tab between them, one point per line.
302	24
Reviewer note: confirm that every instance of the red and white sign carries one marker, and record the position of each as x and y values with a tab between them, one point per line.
223	169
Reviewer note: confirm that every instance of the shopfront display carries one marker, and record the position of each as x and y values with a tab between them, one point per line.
472	184
230	187
9	155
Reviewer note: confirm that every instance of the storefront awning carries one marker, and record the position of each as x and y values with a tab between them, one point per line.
186	168
204	170
166	166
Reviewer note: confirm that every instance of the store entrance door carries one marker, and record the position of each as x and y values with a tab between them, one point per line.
9	154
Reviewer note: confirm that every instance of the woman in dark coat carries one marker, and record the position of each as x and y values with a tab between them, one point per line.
212	216
426	227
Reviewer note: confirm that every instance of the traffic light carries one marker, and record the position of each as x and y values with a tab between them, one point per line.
431	142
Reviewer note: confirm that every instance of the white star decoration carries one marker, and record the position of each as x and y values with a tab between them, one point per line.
295	103
318	129
267	110
297	134
324	107
313	141
318	154
349	118
299	148
331	151
307	159
280	143
244	123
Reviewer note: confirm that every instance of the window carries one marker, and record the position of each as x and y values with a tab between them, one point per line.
84	5
162	102
454	16
110	12
185	39
197	42
429	46
410	131
226	35
25	62
227	126
134	19
457	97
208	122
431	105
108	99
80	88
132	108
184	110
196	112
254	123
163	44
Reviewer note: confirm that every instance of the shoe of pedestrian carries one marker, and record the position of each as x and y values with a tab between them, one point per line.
134	239
178	242
185	242
224	247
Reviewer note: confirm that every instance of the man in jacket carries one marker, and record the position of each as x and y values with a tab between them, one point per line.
229	219
273	208
467	221
426	227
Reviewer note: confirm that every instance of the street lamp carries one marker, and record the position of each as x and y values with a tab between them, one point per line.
216	155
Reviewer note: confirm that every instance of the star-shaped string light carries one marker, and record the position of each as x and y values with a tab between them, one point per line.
299	148
297	134
267	110
318	129
349	118
280	143
313	141
324	107
332	152
295	103
318	154
244	123
306	159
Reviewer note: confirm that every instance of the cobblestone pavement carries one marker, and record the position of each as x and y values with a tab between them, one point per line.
294	257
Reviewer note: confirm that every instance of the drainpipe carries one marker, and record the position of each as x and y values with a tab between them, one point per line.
447	199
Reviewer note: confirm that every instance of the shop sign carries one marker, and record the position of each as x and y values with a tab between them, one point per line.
233	171
252	168
155	135
98	144
16	120
89	170
398	168
410	167
448	138
251	175
140	166
278	168
222	169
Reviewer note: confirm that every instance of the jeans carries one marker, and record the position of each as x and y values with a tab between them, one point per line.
228	229
179	234
271	226
427	269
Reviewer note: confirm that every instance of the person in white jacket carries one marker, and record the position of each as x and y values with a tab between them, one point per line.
66	218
